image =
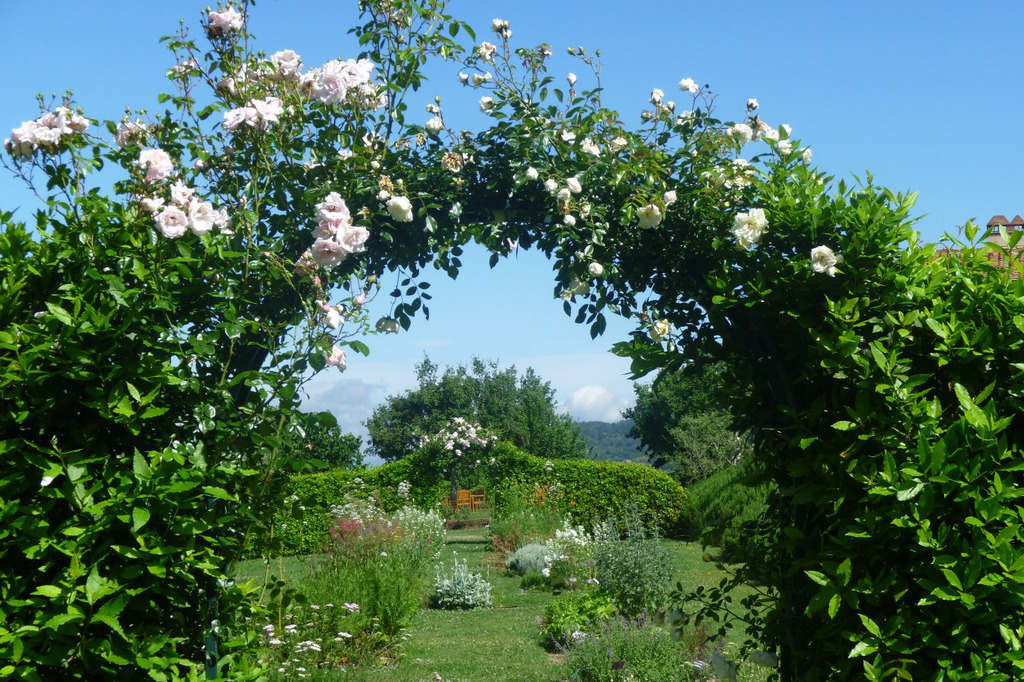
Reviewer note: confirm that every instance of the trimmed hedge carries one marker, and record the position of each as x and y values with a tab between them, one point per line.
586	491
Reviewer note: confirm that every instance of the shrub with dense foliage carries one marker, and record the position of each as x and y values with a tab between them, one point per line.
631	565
729	510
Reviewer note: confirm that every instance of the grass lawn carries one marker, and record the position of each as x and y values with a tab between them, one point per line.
500	643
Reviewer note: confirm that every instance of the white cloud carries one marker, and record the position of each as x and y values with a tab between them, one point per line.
594	402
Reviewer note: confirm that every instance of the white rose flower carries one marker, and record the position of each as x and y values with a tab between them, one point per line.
660	329
157	164
569	220
480	79
669	198
201	217
741	132
588	146
657	95
130	132
463	78
486	104
785	146
172	222
752	104
574	186
327	252
267	111
824	260
235	118
749	227
383	195
486	51
227	20
550	185
333	317
617	143
564	194
531	174
400	209
689	85
287	65
649	216
352	238
805	154
568	136
595	269
181	194
152	205
585	209
772	135
333	208
571	78
497	25
336	358
435	125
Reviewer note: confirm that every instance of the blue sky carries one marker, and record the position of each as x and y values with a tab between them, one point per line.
924	95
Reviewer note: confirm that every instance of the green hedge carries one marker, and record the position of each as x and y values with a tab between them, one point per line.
586	490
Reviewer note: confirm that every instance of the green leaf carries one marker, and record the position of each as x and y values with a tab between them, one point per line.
833	605
153	412
140	517
817	577
862	649
219	493
140	465
60	313
871	625
51	591
843	425
134	392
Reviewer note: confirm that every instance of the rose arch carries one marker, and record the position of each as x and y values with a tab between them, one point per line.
153	337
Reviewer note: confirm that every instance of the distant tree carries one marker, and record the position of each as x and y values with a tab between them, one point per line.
324	441
681	423
517	409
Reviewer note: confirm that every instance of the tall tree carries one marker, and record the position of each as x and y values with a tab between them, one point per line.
516	408
682	423
323	441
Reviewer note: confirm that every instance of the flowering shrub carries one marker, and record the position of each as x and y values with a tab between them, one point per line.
459	588
425	529
881	375
569	557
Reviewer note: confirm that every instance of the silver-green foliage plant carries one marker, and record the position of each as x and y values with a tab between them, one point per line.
527	559
456	587
631	565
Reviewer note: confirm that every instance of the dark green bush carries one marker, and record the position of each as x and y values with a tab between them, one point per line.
728	510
